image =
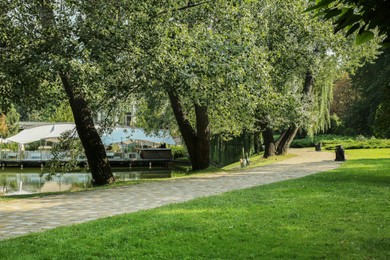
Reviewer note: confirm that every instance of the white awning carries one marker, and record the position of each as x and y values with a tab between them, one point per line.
43	132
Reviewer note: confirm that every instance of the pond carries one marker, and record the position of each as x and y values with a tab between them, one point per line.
28	181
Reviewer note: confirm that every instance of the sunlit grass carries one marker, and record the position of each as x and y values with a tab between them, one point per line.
340	214
258	160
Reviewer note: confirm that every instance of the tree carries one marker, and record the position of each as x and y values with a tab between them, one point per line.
51	42
367	17
62	114
306	58
93	51
369	114
205	65
344	97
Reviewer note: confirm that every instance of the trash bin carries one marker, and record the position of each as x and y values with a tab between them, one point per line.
318	147
340	154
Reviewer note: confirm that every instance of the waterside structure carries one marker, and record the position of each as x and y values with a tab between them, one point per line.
143	150
145	157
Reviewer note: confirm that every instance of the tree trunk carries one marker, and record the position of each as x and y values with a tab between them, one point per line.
256	141
308	85
93	146
284	143
285	139
198	143
203	138
269	143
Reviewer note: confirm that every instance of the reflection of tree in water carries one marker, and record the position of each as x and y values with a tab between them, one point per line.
32	182
8	182
79	181
3	184
26	182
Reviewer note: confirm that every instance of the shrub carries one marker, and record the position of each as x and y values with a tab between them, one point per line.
179	151
329	142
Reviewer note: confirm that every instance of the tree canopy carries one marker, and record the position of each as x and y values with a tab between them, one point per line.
222	67
367	17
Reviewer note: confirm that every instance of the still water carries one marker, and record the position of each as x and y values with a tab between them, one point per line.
28	182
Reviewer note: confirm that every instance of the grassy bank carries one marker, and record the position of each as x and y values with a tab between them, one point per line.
341	214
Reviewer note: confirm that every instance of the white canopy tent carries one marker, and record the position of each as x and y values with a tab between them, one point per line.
44	132
118	135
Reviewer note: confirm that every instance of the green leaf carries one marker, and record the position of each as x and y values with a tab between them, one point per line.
386	42
322	3
353	19
343	20
386	45
352	29
364	37
332	13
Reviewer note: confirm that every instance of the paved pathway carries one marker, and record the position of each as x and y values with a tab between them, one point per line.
18	217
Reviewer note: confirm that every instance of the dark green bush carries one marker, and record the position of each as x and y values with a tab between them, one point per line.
179	151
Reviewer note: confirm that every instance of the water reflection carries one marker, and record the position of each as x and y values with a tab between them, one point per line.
29	183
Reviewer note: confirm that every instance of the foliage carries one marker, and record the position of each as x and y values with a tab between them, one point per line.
243	62
179	151
207	56
363	16
63	113
329	142
369	115
248	77
154	113
68	148
381	122
306	47
9	123
309	215
344	97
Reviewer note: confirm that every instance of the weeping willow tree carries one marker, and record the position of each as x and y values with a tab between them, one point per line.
306	57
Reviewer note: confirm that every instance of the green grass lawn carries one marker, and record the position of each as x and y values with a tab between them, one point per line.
341	214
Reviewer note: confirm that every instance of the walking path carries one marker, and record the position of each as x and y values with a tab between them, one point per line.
18	217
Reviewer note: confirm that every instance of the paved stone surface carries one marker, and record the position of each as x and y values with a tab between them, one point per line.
19	217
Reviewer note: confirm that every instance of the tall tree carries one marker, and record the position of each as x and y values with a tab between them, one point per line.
204	63
306	57
370	113
52	41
